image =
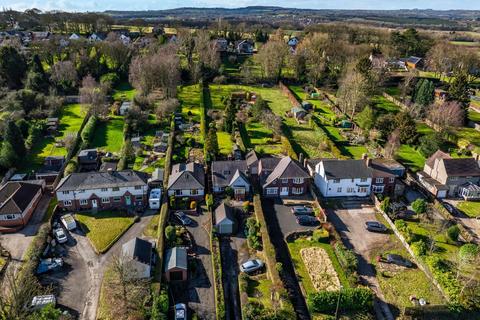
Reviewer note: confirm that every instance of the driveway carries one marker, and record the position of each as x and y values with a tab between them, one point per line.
471	224
286	219
350	224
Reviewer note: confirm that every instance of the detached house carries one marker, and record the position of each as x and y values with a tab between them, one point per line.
444	176
103	190
233	174
187	180
283	177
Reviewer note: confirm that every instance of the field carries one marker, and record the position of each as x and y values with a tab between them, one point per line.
109	134
104	227
71	119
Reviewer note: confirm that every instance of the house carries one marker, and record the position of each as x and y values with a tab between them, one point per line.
244	47
298	113
96	37
225	222
102	190
440	94
156	181
155	199
252	161
51	169
283	177
221	44
126	105
88	160
414	62
40	35
187	180
18	200
385	174
137	255
342	178
444	176
231	174
176	264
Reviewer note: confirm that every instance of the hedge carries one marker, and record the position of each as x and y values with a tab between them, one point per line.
168	155
351	299
288	148
88	131
162	222
217	277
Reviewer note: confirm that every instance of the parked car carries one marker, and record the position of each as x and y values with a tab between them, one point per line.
60	235
68	222
251	265
449	207
375	226
302	211
403	214
307	221
180	311
184	219
38	302
399	260
49	264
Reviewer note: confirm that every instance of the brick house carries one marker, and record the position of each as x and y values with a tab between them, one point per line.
103	190
385	174
232	174
18	201
283	177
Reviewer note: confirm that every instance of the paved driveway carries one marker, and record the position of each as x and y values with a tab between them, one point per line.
286	219
471	224
350	224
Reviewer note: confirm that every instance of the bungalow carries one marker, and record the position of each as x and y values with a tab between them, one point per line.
187	180
444	176
137	255
231	174
176	264
88	160
18	200
102	190
288	177
225	222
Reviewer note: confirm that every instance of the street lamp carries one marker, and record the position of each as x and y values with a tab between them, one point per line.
338	302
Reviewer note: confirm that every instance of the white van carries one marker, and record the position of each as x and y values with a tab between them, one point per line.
69	222
155	199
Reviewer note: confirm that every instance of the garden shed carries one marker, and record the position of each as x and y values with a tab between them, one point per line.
225	219
176	268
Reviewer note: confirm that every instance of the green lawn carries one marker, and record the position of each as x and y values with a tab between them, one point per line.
393	91
469	134
124	92
104	227
261	138
474	116
470	208
259	289
70	119
382	105
224	142
109	134
189	97
410	157
424	129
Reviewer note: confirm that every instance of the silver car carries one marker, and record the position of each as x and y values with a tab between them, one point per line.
251	265
180	311
375	226
60	235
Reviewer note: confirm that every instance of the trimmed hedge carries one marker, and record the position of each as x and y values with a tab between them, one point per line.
217	277
350	299
88	131
168	155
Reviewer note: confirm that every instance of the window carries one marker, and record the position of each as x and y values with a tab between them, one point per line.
391	179
138	198
138	187
226	172
362	189
194	192
81	191
239	190
104	189
298	180
336	181
339	189
363	180
377	189
379	180
297	190
67	203
284	181
83	202
115	189
350	190
105	200
10	216
65	192
453	178
178	192
272	191
117	199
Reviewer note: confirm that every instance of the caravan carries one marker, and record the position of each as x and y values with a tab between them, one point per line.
155	199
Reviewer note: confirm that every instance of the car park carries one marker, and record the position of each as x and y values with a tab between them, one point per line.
307	220
302	210
399	260
251	265
68	222
60	235
375	226
183	218
180	311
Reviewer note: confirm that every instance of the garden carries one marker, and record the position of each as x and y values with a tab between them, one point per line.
104	228
109	135
470	208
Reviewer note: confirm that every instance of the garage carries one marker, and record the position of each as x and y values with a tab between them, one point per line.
225	219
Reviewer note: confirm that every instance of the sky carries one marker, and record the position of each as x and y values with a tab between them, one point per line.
101	5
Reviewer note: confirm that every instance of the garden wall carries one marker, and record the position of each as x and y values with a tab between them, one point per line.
291	97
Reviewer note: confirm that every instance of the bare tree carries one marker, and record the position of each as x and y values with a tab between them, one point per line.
392	145
448	114
166	107
64	74
94	96
18	289
272	58
207	51
352	93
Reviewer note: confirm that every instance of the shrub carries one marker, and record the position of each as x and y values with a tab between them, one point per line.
170	235
89	130
350	299
419	206
347	258
445	276
469	251
419	248
385	205
193	205
209	201
71	167
453	232
253	230
320	235
111	79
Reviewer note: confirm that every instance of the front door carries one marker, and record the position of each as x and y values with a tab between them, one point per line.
128	201
284	191
94	204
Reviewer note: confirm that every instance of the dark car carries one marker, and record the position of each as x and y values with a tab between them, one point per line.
375	226
399	260
183	218
449	207
302	211
307	220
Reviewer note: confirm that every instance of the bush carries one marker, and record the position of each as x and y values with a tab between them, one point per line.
321	235
385	205
350	299
453	232
419	248
71	167
89	130
469	252
445	276
419	206
347	258
111	79
253	231
170	235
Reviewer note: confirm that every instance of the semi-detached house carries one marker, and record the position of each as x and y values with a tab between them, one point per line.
283	177
103	190
187	180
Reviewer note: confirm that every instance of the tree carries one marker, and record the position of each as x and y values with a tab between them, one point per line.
459	89
208	56
229	115
469	252
392	144
94	96
166	107
366	118
385	124
136	119
406	126
170	235
64	75
14	136
48	312
352	93
448	114
12	67
8	156
453	232
419	206
410	43
211	143
272	57
429	144
424	94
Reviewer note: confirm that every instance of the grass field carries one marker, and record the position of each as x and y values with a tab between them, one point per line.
224	142
124	92
109	134
410	157
383	106
259	289
104	227
470	208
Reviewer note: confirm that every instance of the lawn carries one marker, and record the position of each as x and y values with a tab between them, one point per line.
189	97
382	105
103	228
473	116
124	92
469	134
261	139
393	91
470	208
151	230
224	142
410	157
259	289
71	119
424	129
109	134
304	139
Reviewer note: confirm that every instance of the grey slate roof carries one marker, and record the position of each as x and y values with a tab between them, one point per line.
287	168
176	258
96	180
224	171
16	196
187	176
346	169
157	175
251	158
138	249
461	167
223	212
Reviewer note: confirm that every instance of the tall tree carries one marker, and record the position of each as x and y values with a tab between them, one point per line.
12	67
272	58
94	96
459	89
14	136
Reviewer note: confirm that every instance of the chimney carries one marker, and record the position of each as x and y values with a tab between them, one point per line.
364	156
300	158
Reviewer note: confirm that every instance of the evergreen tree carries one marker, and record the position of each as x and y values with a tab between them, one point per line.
8	157
366	118
406	126
12	66
211	143
425	94
459	89
13	135
229	118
